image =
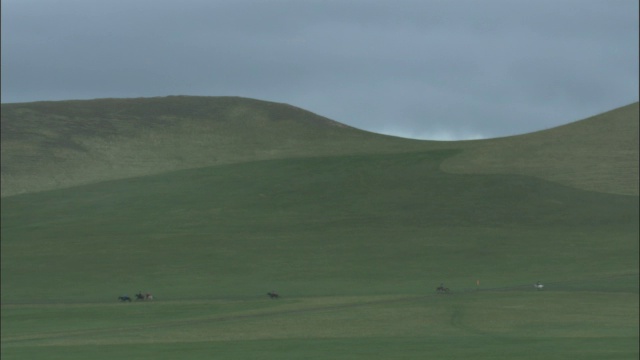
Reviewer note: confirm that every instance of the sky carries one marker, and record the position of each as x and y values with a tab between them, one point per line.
425	69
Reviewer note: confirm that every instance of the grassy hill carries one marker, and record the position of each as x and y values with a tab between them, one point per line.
355	234
599	154
50	145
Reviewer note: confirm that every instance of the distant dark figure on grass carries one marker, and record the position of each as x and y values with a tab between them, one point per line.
273	295
141	296
124	298
442	290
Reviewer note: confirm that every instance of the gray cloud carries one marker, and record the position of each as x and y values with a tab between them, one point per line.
427	69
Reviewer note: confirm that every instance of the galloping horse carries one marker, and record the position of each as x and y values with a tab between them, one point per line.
442	289
124	298
141	296
273	295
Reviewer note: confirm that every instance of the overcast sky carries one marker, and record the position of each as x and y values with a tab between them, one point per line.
429	69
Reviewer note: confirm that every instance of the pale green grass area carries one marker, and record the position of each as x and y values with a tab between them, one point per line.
52	145
483	324
462	347
599	154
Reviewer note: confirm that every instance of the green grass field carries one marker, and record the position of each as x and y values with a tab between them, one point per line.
354	242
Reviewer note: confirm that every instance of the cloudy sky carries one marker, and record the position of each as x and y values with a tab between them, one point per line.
429	69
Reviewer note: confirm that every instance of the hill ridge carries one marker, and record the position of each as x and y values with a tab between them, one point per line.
50	145
57	144
599	153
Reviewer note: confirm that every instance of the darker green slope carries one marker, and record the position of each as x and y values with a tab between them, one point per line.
325	225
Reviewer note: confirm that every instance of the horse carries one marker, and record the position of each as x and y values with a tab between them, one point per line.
442	289
273	295
124	298
141	296
538	286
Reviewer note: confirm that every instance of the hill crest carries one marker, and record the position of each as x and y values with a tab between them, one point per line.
50	145
599	153
60	144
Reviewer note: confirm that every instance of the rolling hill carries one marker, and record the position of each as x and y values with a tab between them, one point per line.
599	154
210	203
50	145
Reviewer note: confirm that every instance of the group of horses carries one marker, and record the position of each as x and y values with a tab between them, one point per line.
273	295
139	297
444	290
147	297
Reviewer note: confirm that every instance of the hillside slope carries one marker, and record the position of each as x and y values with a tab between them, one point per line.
599	154
52	145
315	226
351	228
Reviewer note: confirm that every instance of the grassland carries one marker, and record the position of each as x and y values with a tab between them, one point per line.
50	145
599	154
355	240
